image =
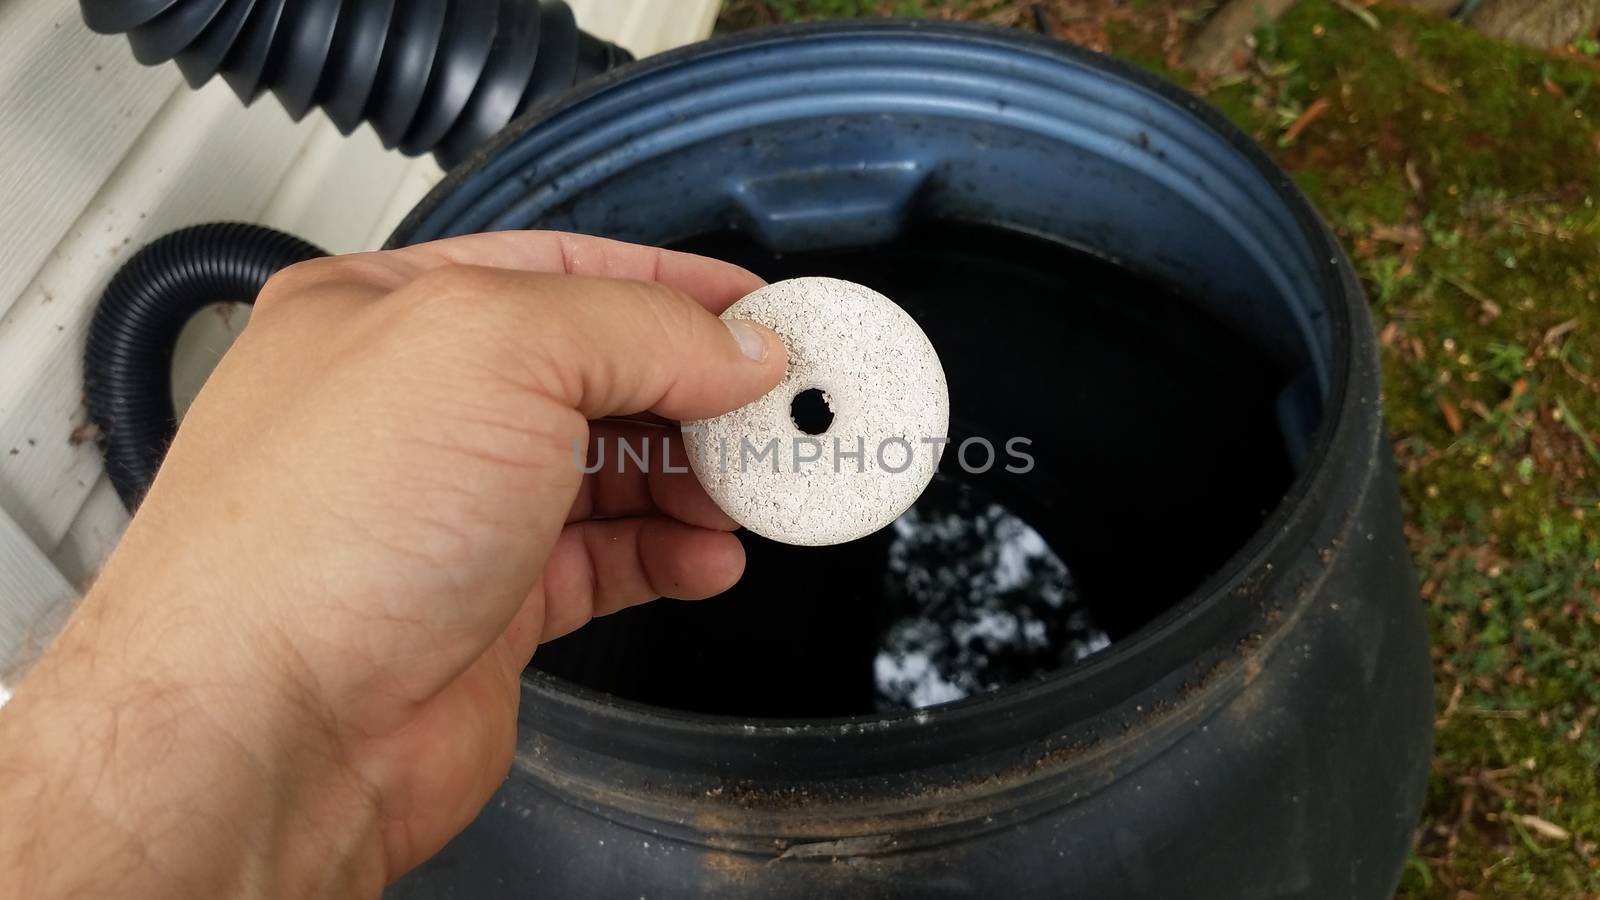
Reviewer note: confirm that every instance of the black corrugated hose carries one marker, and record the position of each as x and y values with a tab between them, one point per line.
439	76
127	369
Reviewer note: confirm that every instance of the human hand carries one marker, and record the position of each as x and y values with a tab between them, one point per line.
298	674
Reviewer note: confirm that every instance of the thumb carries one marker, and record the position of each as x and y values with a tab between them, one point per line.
607	347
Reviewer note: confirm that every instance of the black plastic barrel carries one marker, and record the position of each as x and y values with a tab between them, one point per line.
1233	698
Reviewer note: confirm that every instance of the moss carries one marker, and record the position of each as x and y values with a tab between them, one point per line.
741	14
737	16
1464	177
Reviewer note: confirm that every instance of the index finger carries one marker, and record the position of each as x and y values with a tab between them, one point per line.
715	284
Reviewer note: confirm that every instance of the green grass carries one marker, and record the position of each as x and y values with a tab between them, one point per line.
1464	177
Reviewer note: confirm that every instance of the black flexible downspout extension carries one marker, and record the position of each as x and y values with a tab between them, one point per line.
128	363
439	76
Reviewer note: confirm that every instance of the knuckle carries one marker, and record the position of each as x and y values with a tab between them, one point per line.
448	295
455	315
446	283
292	281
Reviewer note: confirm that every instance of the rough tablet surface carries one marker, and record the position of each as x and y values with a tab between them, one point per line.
890	408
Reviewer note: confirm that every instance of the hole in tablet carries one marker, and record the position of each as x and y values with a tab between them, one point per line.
811	412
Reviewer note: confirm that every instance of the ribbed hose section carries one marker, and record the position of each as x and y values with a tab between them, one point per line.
439	76
128	363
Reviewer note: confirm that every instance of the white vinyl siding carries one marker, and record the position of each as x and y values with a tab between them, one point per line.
98	156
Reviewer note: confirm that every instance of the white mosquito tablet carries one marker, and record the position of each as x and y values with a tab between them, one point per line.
853	434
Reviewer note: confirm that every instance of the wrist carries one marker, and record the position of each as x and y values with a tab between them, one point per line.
175	766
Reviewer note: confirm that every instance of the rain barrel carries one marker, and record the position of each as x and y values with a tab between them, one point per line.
1179	654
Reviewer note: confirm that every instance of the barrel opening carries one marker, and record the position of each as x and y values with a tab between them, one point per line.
1114	443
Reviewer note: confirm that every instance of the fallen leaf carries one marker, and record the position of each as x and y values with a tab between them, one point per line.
1545	828
1312	113
1560	331
1452	416
88	431
1360	12
1397	234
1413	178
1409	237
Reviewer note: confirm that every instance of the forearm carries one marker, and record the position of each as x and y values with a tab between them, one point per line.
298	675
132	768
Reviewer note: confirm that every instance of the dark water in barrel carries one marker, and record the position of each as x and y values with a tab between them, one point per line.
1157	454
